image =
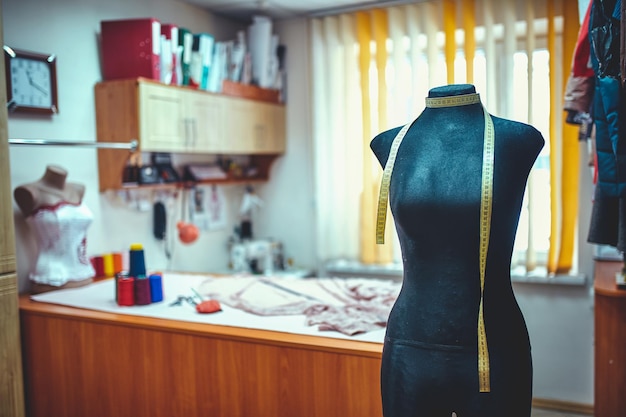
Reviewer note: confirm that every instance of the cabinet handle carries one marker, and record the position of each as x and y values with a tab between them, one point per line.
194	130
187	132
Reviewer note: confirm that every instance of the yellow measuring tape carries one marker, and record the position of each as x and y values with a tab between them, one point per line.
485	211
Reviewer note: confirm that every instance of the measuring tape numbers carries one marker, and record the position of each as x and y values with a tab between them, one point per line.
486	199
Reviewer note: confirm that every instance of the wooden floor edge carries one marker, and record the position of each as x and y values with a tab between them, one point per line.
567	406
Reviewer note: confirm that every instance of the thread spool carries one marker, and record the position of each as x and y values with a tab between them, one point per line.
126	260
117	263
98	266
119	276
137	261
107	264
156	288
126	291
142	291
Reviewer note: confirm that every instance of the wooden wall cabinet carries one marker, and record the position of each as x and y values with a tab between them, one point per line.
175	119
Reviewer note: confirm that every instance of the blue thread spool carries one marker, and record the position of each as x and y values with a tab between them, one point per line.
156	288
137	262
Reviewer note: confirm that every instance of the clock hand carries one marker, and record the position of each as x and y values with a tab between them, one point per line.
38	87
34	84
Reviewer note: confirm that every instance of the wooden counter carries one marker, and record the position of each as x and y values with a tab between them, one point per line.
88	363
610	341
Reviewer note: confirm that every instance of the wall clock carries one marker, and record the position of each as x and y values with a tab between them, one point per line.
31	81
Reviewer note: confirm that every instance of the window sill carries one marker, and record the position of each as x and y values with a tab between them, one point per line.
394	271
570	280
345	267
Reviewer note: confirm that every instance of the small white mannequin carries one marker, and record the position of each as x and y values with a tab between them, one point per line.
55	211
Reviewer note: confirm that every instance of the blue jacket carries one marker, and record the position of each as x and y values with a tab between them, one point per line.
609	98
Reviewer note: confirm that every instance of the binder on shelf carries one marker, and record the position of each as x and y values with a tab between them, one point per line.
185	43
219	67
201	59
167	68
131	48
237	58
170	59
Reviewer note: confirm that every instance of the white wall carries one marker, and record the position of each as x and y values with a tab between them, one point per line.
69	29
560	319
290	190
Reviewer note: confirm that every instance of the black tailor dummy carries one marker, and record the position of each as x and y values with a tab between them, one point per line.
430	356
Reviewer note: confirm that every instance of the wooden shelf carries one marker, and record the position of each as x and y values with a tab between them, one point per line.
183	120
262	164
251	92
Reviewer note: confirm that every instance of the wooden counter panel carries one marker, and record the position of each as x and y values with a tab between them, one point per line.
604	279
610	339
91	364
328	344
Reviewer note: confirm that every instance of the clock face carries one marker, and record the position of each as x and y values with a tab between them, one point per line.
31	83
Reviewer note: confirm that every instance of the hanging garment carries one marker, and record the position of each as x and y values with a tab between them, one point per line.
609	112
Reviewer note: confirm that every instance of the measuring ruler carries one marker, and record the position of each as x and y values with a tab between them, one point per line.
486	198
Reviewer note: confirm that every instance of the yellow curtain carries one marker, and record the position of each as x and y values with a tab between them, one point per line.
469	25
372	26
373	34
555	149
449	27
364	36
571	157
564	150
380	28
531	257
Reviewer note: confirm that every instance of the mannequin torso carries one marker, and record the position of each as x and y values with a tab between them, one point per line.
55	211
435	194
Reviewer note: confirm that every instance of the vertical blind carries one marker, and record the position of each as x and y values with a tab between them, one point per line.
371	72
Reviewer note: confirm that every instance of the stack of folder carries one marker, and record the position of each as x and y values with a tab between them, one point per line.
170	61
171	54
147	48
185	44
201	60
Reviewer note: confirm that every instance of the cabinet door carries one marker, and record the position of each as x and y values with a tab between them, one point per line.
204	113
254	127
263	129
274	142
239	126
163	125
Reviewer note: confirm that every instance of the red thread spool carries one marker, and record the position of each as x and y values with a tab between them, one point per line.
126	291
142	291
98	266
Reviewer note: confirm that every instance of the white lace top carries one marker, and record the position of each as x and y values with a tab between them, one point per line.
61	235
